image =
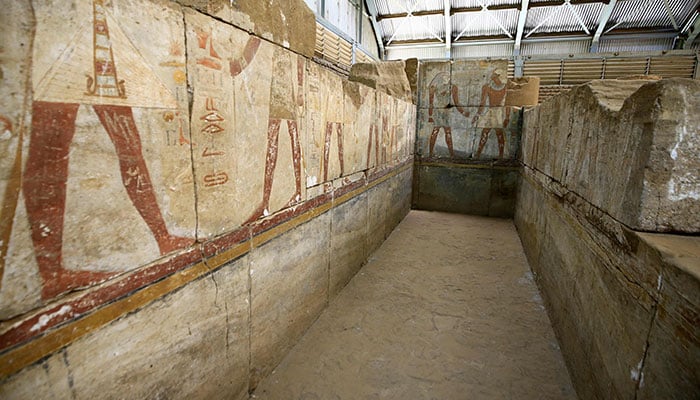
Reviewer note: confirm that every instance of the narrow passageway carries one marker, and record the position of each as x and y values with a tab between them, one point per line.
445	309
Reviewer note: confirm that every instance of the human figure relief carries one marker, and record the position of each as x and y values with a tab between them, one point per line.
286	102
493	94
46	171
333	120
438	114
373	135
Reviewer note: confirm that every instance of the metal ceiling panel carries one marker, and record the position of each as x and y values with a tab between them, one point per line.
502	50
483	24
414	28
635	45
650	14
555	47
478	3
562	18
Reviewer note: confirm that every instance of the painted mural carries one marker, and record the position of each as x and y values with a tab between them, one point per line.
135	150
462	110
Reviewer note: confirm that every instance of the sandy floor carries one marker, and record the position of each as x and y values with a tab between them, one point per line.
445	309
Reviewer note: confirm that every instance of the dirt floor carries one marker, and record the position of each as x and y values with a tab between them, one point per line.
446	309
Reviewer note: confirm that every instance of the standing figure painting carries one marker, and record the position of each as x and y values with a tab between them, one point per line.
286	101
488	116
46	172
440	92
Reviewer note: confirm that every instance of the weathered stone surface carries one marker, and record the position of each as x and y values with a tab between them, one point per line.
169	348
387	76
359	127
524	91
49	379
289	288
290	24
643	131
411	68
107	162
466	189
348	248
481	83
20	288
378	226
622	303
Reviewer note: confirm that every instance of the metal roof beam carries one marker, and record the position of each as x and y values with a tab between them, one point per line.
693	32
464	10
522	17
667	6
372	13
602	21
448	30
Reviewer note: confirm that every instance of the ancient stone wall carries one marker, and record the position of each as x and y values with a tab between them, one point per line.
468	137
183	191
602	163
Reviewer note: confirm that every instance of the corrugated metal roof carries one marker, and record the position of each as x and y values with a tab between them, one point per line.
545	18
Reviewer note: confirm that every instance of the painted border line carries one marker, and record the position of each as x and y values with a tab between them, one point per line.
197	263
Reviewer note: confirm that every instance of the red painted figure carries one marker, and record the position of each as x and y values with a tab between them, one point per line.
46	170
438	114
493	94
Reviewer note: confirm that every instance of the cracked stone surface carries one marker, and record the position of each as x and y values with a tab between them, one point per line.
445	308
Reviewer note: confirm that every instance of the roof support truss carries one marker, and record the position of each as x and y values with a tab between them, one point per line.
602	21
522	17
448	30
372	10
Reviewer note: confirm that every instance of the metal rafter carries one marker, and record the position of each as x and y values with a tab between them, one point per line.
372	10
448	30
522	17
602	21
693	30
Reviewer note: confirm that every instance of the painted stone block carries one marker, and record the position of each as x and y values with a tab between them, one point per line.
434	84
387	76
326	129
106	163
197	334
360	125
479	83
289	288
290	24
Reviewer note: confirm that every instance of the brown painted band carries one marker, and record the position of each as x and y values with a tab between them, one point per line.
469	166
153	283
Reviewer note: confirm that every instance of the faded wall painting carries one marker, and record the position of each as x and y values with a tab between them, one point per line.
463	113
106	155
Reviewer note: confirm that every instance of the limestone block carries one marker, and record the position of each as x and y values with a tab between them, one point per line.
20	284
325	146
644	131
107	180
290	24
289	288
48	379
524	91
624	304
671	368
387	76
378	229
248	94
348	248
411	68
359	125
469	133
478	83
169	348
434	82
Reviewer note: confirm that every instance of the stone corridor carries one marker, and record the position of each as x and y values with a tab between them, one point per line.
447	308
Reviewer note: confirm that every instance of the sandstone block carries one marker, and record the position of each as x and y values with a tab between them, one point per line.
523	91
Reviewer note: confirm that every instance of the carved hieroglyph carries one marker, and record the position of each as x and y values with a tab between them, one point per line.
107	160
